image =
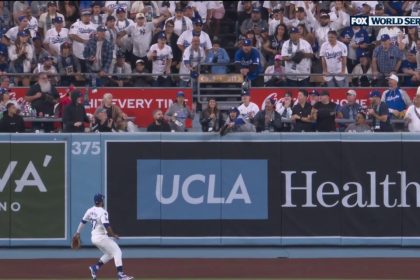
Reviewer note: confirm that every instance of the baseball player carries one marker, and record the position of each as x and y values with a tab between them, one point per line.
102	237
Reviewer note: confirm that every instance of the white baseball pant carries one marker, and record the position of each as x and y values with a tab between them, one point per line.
110	249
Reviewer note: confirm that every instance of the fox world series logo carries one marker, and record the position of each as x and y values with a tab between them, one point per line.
365	21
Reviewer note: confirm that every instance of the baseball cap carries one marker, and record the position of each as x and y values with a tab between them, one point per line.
98	198
393	77
178	9
101	110
375	93
324	93
326	15
233	109
162	35
198	21
256	10
180	93
364	54
366	4
85	12
245	93
139	15
247	42
385	37
379	7
101	28
300	9
140	61
351	92
23	33
51	3
120	54
294	30
263	30
314	92
21	18
3	90
120	10
48	57
57	20
277	57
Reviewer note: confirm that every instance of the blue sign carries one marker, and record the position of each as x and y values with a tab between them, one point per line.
202	189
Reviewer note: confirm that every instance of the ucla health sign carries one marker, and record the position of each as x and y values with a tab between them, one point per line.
201	189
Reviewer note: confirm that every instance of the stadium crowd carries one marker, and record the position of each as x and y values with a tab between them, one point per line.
274	43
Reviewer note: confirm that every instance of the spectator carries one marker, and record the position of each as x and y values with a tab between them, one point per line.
119	118
412	116
301	113
123	25
394	8
71	13
80	33
32	23
48	67
21	54
297	54
324	113
235	123
193	55
409	67
151	10
334	61
396	99
300	18
101	123
386	59
161	55
165	10
178	113
11	122
211	118
74	115
159	124
4	99
111	35
97	17
361	75
204	9
268	119
181	23
141	81
247	61
275	43
136	7
350	109
19	9
217	55
4	63
12	34
313	97
360	125
185	39
255	23
141	37
378	113
43	96
410	40
277	18
68	64
246	11
277	75
248	109
98	52
284	108
357	41
39	52
111	7
395	34
215	18
5	18
121	67
56	36
46	19
171	40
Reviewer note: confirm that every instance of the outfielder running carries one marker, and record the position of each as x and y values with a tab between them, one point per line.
102	237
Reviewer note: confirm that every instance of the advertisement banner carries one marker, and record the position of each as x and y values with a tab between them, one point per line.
288	189
138	103
33	190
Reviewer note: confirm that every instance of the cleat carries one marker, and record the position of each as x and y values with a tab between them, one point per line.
122	276
93	271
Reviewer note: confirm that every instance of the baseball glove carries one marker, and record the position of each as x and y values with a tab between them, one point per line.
75	242
297	58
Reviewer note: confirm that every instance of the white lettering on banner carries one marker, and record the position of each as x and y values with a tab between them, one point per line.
5	206
239	190
30	177
140	103
353	191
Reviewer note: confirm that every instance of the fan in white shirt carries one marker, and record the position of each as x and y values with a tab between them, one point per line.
55	37
393	33
123	24
161	55
80	32
112	6
46	19
193	55
248	109
334	60
181	22
186	37
412	116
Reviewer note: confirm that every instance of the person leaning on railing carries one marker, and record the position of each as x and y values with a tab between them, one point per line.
412	116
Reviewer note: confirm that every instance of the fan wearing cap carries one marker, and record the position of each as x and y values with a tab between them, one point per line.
378	112
396	98
67	63
181	22
193	55
248	62
274	74
248	109
297	54
21	54
111	7
409	66
361	75
217	55
12	34
412	116
185	38
161	56
392	31
141	81
124	41
80	33
277	18
324	112
236	123
349	110
268	119
356	39
46	19
255	23
74	114
55	37
99	53
48	67
121	67
11	121
334	61
178	113
300	18
386	58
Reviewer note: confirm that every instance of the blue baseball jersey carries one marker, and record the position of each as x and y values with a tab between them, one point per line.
246	60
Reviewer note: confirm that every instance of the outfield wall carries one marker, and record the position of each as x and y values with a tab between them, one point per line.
203	189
